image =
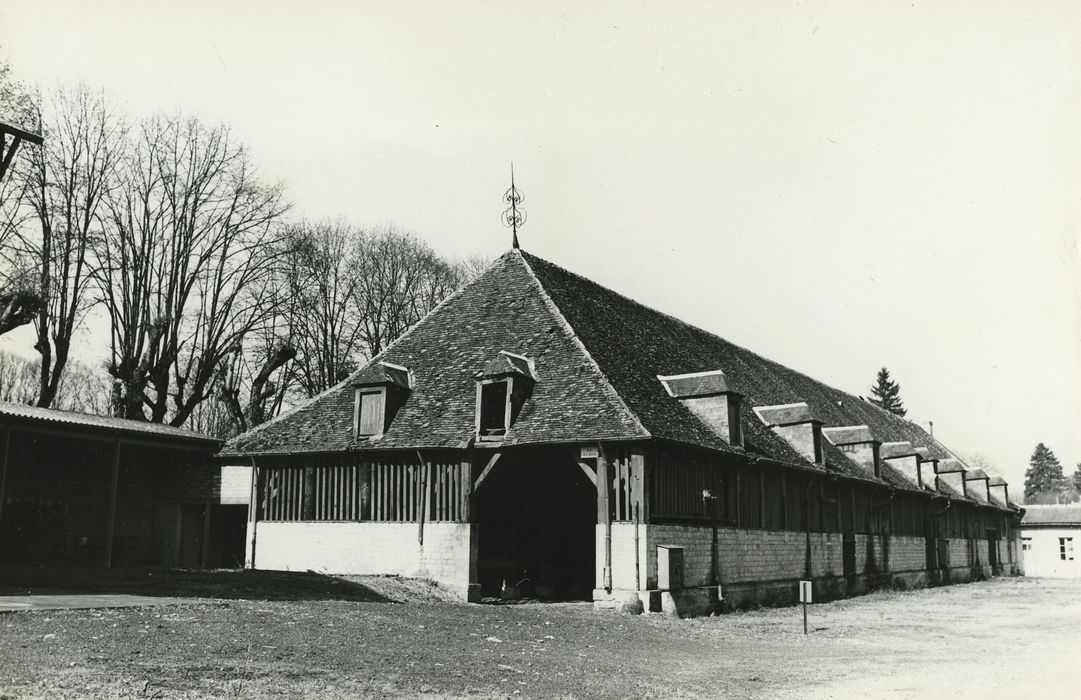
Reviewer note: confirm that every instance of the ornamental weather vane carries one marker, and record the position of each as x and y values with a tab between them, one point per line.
514	216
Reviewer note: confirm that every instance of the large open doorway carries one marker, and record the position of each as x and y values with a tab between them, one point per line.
537	517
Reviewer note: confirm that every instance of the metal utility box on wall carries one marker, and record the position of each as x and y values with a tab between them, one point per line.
669	567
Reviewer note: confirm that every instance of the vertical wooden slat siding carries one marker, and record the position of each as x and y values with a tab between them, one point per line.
466	476
382	491
437	484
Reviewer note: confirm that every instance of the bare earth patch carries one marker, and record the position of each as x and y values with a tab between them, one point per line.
994	639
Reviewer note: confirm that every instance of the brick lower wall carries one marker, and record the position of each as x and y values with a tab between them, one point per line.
763	566
908	554
370	548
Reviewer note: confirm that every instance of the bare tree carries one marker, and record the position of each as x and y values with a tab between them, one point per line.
82	387
470	267
18	379
322	279
400	280
238	378
68	181
19	300
186	268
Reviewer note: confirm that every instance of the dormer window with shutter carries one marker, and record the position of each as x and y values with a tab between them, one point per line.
381	389
503	386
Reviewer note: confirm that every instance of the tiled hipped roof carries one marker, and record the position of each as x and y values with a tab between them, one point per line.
597	355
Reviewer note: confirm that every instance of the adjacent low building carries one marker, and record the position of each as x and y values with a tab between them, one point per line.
1049	534
539	434
83	490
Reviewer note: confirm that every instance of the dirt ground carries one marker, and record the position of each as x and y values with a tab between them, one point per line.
281	635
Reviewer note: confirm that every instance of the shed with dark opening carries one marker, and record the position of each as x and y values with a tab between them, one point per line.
84	490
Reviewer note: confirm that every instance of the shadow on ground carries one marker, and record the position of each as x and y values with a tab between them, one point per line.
188	583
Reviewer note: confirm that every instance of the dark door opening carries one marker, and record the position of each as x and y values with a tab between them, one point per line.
992	552
192	527
228	530
537	530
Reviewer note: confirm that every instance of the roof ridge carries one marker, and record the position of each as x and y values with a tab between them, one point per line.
374	359
685	324
554	308
691	326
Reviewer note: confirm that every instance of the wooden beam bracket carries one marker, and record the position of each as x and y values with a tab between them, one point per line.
487	470
590	474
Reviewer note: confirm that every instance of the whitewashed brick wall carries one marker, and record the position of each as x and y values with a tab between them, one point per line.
369	548
235	484
908	554
743	555
959	553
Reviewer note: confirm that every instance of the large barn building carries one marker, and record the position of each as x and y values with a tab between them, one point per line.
540	434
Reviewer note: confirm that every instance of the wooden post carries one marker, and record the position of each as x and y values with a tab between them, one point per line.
638	485
761	498
466	477
253	509
603	515
111	525
422	497
4	474
365	491
206	533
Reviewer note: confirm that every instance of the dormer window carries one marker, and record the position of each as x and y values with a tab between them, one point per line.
494	409
370	411
709	397
857	442
797	425
381	389
503	386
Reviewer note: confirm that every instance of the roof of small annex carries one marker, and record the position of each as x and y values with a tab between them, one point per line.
1053	514
90	423
597	356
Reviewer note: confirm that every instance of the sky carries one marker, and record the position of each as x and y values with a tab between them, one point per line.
838	186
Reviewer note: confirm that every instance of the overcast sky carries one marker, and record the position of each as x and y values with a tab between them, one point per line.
836	186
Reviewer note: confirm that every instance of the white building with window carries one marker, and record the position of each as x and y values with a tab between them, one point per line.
1050	540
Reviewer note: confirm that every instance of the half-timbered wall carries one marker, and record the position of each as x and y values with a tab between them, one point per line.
389	488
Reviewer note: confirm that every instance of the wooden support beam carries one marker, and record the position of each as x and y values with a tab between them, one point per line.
603	515
206	533
365	491
21	134
7	153
110	531
487	470
466	478
424	496
6	450
590	474
636	471
253	510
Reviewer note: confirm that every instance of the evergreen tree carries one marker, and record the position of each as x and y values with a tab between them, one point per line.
1077	479
1044	481
886	393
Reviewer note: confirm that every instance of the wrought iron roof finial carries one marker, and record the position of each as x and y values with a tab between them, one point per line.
514	216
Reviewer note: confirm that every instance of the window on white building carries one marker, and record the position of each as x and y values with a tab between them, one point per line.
1065	548
1026	544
